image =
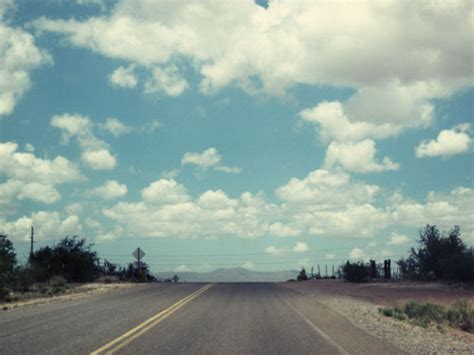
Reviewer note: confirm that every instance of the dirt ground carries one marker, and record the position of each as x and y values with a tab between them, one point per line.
75	291
390	293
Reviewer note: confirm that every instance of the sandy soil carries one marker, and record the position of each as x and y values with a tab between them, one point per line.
359	303
76	291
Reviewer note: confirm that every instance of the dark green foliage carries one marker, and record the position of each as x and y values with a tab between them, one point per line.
355	272
460	315
175	278
302	275
71	258
136	274
7	260
439	257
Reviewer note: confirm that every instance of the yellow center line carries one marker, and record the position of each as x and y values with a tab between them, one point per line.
123	340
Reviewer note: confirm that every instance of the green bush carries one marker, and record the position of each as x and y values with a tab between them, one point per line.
4	293
461	315
355	272
424	314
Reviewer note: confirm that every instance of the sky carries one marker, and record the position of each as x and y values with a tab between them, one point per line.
269	135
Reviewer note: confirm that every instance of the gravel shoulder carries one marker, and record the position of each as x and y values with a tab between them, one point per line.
364	314
77	291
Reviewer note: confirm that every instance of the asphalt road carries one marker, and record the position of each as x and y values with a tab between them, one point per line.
243	318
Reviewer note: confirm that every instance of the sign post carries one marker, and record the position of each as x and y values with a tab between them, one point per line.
139	254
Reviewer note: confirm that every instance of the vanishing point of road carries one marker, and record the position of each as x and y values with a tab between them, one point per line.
224	318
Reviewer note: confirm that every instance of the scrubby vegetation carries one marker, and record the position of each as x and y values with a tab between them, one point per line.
460	315
355	272
439	257
49	269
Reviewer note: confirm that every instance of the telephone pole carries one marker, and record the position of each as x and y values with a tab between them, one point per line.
32	241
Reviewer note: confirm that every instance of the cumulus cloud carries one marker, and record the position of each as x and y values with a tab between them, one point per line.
123	77
448	143
95	153
357	254
19	56
27	167
22	190
99	159
357	157
398	239
115	127
275	251
166	80
300	247
109	190
209	158
287	36
335	125
48	225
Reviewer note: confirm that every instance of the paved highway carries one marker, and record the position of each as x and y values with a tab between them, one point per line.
241	318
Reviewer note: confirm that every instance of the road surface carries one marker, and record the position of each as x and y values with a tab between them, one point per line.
240	318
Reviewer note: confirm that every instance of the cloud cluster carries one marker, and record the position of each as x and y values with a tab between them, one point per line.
448	143
111	189
288	43
32	178
95	153
19	56
209	158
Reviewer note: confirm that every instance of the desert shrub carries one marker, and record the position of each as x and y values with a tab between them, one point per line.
57	281
424	314
23	279
438	256
395	312
302	275
4	293
461	315
355	272
71	258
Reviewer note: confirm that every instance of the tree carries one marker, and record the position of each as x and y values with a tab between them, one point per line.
71	258
442	257
175	278
302	275
7	261
355	272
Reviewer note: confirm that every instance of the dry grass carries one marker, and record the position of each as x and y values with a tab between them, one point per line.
75	291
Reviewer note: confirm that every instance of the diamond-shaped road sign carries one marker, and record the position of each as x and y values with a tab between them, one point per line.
138	254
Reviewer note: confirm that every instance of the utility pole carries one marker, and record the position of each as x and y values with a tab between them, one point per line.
32	241
326	270
319	271
333	270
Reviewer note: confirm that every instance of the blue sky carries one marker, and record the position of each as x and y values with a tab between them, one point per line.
231	134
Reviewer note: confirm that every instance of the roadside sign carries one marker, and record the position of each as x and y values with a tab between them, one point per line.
138	254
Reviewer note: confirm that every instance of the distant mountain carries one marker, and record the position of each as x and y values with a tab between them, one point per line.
231	275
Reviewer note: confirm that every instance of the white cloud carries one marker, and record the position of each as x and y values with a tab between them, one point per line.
29	147
301	247
109	190
275	251
283	230
335	125
182	268
79	127
19	56
48	225
249	265
166	80
95	153
208	158
23	190
449	142
115	127
123	78
398	239
27	167
358	254
100	159
243	44
165	192
357	157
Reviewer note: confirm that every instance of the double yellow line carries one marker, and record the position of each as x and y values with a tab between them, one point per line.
139	330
